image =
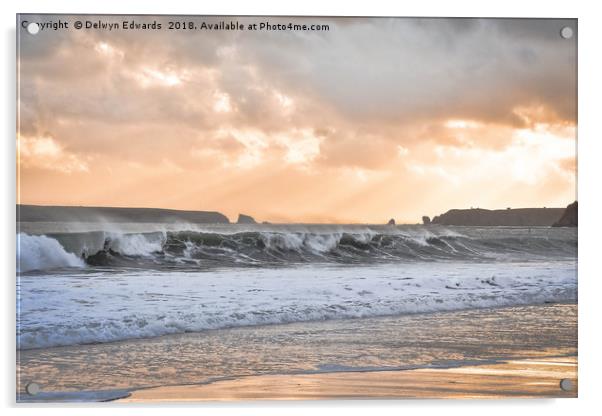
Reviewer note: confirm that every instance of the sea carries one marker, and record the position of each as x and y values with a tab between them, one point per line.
205	301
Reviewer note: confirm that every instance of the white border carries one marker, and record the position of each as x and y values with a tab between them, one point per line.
590	210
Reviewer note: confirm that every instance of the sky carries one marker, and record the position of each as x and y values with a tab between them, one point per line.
375	118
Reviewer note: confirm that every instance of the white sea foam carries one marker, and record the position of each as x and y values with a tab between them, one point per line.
101	306
38	252
317	243
136	244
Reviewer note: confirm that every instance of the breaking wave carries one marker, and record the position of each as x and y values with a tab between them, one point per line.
41	252
193	249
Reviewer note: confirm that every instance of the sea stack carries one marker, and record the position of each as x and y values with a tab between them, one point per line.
245	219
569	217
391	221
426	220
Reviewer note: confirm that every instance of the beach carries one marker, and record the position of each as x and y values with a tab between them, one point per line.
517	351
513	379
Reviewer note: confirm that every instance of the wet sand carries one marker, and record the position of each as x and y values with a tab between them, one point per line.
499	352
536	378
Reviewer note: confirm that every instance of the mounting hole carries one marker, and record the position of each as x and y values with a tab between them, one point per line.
33	388
566	32
33	28
567	385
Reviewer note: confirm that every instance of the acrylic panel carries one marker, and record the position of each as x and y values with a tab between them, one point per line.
236	208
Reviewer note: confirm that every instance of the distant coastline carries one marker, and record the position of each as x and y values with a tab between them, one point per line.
40	213
527	217
500	217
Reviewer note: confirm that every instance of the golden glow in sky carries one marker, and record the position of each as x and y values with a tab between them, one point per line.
374	119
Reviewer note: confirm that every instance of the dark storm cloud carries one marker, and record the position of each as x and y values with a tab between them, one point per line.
391	79
374	70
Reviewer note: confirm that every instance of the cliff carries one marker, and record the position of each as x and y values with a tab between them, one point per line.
501	217
38	213
569	217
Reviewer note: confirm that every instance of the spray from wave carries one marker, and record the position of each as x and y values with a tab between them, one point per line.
38	252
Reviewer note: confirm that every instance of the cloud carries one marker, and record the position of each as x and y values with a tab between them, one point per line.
371	105
373	70
46	153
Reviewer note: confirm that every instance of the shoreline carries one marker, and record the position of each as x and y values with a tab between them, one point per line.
527	378
363	350
293	323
